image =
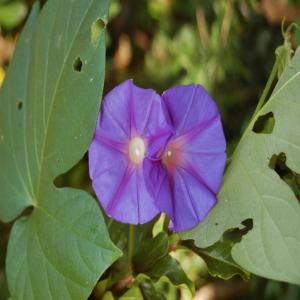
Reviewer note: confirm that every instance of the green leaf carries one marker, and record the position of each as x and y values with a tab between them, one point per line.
3	287
48	108
283	55
153	259
218	259
134	293
12	13
285	51
120	235
149	290
252	189
108	296
150	252
169	267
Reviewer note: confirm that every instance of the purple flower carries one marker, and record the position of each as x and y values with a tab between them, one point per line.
130	131
151	154
185	183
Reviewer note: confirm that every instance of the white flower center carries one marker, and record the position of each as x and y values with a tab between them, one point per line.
137	150
169	153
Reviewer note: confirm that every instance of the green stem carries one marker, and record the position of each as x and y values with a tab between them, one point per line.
131	242
267	88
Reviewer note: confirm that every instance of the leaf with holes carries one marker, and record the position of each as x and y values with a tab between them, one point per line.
253	190
48	109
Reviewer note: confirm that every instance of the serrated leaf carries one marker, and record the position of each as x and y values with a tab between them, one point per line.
251	189
48	109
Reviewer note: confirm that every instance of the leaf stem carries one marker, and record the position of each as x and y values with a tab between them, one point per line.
130	250
267	88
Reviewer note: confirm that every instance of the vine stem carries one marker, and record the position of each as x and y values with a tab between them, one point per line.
130	250
267	88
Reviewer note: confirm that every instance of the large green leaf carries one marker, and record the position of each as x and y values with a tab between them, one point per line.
252	189
48	108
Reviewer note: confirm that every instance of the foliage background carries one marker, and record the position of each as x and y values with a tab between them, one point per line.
226	45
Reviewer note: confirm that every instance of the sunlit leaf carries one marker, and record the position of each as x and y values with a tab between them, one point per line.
12	13
218	259
149	290
134	293
169	267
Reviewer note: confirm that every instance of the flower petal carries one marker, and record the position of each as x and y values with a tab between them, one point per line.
107	167
205	153
149	112
114	118
128	111
105	160
195	175
189	106
120	186
198	201
150	119
158	184
209	167
209	139
184	198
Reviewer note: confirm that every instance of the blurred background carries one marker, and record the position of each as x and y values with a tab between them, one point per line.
228	46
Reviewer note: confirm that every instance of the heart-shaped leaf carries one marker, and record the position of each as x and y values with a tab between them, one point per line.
253	190
48	108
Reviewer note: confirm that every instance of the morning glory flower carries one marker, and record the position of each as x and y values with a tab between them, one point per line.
131	130
190	173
